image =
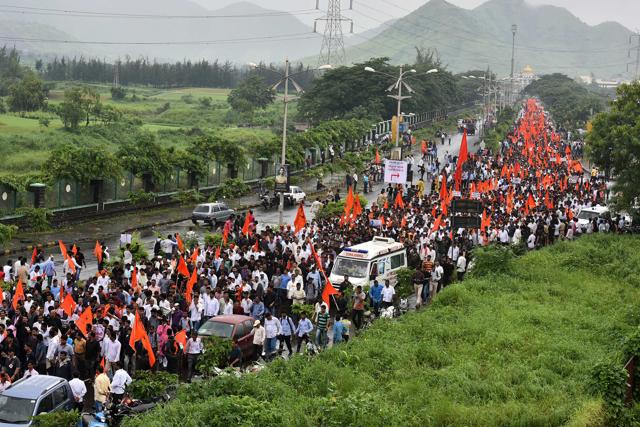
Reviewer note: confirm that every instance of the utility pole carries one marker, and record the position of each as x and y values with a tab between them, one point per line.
116	74
332	49
636	74
514	29
283	158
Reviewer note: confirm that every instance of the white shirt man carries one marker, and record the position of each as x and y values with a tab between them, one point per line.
194	346
387	294
78	388
111	349
120	381
461	264
211	306
531	241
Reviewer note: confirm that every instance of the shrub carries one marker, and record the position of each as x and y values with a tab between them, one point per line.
57	419
7	232
608	380
44	121
38	219
230	189
188	197
149	384
492	259
404	287
298	309
138	250
140	197
213	240
215	355
333	209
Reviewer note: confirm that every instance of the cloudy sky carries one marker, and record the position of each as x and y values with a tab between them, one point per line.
590	11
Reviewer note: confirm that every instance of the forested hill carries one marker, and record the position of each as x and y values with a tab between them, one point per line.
549	38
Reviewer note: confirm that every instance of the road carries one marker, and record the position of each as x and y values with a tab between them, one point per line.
270	217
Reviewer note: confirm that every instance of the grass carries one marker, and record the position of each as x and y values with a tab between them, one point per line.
514	349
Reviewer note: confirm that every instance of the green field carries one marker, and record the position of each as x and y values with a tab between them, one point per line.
167	113
514	346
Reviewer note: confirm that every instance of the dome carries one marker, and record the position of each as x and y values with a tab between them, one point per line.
527	70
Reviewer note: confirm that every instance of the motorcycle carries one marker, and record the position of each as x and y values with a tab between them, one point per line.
268	201
113	413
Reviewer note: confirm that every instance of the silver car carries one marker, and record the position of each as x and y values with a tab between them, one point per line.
211	213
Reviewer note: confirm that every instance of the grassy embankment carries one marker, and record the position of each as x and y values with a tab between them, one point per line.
514	345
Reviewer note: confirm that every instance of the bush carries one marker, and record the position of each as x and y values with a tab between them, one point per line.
38	219
213	240
230	189
149	384
138	250
118	93
333	209
608	380
57	419
215	355
7	232
44	121
298	309
492	259
404	287
188	197
141	197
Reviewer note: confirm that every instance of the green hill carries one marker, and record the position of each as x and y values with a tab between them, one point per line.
549	38
517	344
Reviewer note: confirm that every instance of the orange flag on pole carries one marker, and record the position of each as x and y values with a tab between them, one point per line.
328	291
74	250
181	338
246	228
377	157
68	305
357	207
301	219
180	243
134	278
182	267
192	281
97	251
194	255
138	333
71	264
462	158
436	224
399	202
218	252
63	249
34	255
86	318
19	295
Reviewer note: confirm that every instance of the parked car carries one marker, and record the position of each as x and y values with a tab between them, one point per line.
294	196
211	213
32	396
233	326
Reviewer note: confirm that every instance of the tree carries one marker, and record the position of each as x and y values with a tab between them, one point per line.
145	158
118	93
82	163
226	153
252	94
28	94
80	103
614	145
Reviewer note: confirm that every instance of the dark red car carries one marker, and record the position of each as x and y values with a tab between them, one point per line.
234	326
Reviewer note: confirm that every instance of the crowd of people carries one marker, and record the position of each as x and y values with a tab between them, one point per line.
531	190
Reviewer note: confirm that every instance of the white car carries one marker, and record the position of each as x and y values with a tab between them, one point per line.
587	214
295	195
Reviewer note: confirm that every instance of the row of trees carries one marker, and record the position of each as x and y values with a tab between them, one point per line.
143	71
570	103
352	92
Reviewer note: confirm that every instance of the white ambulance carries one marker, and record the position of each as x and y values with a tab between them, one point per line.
380	259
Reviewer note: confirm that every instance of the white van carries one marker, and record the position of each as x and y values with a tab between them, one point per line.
380	259
587	214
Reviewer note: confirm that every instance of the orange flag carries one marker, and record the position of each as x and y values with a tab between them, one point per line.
357	207
246	228
256	246
19	295
192	281
180	243
182	267
71	264
531	203
63	249
194	255
436	224
74	250
423	147
386	205
102	362
134	278
68	305
399	202
86	318
328	291
181	338
462	158
301	219
97	251
225	234
138	333
377	157
218	252
34	255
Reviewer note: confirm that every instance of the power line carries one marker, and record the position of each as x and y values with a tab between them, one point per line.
88	14
332	49
298	36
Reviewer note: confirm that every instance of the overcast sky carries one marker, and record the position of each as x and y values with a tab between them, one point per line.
592	12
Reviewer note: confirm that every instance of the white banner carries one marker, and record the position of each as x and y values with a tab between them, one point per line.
395	171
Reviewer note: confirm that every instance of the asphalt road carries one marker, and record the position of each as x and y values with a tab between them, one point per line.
269	217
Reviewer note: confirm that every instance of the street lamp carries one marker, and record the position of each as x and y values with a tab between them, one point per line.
286	78
398	85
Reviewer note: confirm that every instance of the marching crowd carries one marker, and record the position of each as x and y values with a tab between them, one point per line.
140	313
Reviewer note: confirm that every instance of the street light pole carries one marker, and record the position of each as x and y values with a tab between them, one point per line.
514	29
283	158
399	98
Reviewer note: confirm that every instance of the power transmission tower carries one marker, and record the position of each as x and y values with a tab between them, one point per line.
116	74
636	74
332	50
514	29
